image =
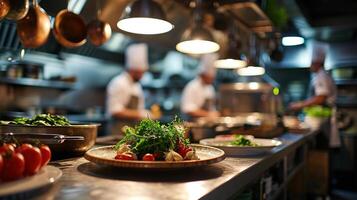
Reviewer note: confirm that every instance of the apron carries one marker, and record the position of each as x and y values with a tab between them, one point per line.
116	124
329	126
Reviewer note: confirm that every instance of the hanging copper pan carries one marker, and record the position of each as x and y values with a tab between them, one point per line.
18	9
98	32
69	29
34	28
4	8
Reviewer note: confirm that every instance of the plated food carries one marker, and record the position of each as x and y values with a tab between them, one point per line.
21	160
238	145
39	120
153	145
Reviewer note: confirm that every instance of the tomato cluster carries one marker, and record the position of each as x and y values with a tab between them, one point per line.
23	160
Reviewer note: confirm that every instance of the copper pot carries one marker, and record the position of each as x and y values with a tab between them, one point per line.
18	9
34	28
69	29
99	32
4	8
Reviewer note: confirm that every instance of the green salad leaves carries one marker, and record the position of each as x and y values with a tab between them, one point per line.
241	141
150	136
40	120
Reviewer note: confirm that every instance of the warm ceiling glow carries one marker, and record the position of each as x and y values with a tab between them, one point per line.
251	71
144	25
292	40
230	64
197	46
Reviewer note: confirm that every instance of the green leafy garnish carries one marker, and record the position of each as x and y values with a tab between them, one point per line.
241	141
41	120
150	136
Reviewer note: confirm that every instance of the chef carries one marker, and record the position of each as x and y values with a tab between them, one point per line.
322	93
199	97
125	97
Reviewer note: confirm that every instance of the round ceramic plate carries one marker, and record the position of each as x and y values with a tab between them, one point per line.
46	176
264	146
105	155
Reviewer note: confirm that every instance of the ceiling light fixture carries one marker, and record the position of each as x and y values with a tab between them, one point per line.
292	40
197	39
230	63
144	17
251	71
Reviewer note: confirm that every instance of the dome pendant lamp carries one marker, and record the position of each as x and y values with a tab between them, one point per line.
197	39
144	17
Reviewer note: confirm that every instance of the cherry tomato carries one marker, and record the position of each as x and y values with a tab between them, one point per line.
6	148
14	167
45	154
1	164
157	156
22	147
33	160
124	156
182	149
148	157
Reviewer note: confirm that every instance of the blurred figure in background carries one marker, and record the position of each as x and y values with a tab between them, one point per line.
199	96
125	97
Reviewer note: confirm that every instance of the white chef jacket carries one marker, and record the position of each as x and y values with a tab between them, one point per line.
323	84
194	95
119	91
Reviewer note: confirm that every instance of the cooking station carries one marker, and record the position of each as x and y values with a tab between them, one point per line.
228	179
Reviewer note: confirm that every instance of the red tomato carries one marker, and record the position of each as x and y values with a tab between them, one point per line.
22	147
45	154
33	160
157	156
14	167
124	156
6	148
148	157
1	164
182	149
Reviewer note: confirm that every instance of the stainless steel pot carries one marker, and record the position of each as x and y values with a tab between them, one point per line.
72	147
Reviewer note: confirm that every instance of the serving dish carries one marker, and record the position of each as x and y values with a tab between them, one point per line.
17	189
105	156
263	146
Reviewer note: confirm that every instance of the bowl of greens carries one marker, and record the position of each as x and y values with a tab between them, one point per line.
54	124
242	145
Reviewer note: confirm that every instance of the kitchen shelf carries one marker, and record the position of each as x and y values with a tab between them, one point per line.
346	82
29	82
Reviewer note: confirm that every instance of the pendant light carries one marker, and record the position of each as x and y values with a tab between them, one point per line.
144	17
231	59
253	68
197	39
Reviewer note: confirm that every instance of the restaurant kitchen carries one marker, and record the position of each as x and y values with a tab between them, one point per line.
235	72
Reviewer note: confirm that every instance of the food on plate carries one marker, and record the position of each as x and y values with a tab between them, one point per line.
17	161
40	120
152	141
240	140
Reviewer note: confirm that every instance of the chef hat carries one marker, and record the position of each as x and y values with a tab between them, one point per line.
136	56
318	52
207	64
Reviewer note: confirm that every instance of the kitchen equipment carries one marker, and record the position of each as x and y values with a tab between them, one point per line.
264	146
30	186
105	156
4	8
34	28
18	9
43	138
25	69
71	147
69	29
257	102
98	31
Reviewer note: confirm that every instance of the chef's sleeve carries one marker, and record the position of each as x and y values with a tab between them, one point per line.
189	101
118	94
321	86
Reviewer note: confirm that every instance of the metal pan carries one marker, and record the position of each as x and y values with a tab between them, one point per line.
18	9
4	8
72	147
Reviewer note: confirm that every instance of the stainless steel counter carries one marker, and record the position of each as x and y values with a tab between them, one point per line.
84	180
